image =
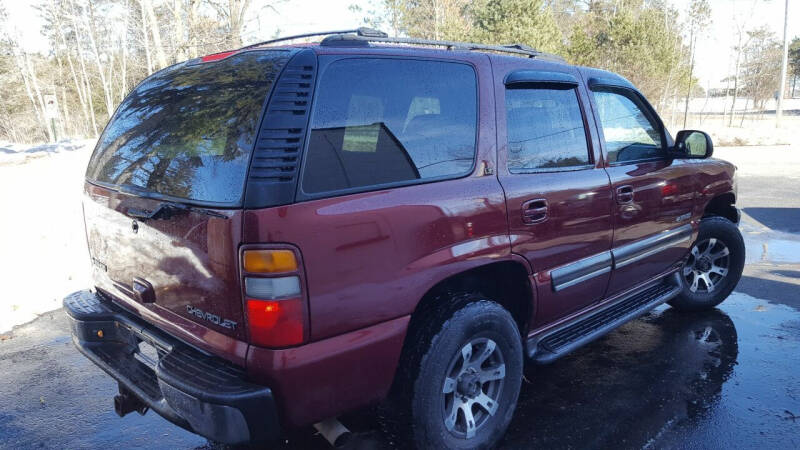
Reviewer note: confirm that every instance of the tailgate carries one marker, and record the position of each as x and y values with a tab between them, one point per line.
190	259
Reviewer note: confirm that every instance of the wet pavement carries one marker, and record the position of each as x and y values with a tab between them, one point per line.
721	379
727	378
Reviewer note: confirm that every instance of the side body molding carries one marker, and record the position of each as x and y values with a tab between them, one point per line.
579	271
636	251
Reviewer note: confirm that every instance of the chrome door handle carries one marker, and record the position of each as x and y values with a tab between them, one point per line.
534	211
625	194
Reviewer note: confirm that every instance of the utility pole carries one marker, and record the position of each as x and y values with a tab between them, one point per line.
692	41
784	63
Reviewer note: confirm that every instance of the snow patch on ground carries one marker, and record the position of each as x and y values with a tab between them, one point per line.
11	153
43	254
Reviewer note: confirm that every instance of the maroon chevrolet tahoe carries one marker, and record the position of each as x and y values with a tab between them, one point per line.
284	233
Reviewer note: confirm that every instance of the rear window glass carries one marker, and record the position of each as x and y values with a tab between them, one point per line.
188	131
384	121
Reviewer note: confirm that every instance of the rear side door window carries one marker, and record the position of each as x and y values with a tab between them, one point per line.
545	130
630	132
380	122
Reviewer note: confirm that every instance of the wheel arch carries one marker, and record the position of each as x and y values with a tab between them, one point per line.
722	205
505	282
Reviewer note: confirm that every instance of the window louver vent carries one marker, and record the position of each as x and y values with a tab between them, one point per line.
274	167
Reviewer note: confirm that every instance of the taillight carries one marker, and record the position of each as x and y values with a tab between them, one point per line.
276	323
269	261
275	298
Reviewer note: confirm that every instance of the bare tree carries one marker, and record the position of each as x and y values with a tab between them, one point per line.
105	80
123	42
56	15
179	32
784	64
233	12
761	68
145	38
25	68
156	33
742	40
699	19
87	85
28	73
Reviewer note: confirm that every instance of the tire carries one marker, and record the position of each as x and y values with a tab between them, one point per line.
435	381
713	267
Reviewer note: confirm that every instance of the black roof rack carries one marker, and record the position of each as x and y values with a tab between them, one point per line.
363	31
367	35
363	36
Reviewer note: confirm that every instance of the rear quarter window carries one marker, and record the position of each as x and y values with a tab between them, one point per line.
188	131
379	122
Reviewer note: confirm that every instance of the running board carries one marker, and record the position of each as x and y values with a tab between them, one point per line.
553	344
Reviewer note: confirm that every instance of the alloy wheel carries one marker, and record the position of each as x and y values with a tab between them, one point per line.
472	387
707	265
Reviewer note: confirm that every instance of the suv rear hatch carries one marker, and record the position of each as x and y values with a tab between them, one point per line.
164	192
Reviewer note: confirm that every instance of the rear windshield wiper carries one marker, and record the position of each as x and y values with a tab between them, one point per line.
166	209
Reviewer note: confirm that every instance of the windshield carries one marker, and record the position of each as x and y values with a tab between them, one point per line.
188	131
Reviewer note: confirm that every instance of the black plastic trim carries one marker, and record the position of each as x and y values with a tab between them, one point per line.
196	391
595	82
380	37
540	76
581	330
551	169
638	161
275	162
168	198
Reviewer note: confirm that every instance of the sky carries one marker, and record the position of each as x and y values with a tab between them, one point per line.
715	58
713	62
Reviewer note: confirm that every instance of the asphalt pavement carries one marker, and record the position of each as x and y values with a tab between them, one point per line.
721	379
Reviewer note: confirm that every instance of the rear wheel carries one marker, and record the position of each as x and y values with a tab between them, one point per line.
465	380
713	267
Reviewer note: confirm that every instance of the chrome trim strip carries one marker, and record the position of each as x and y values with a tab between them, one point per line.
581	279
585	269
580	271
653	251
639	250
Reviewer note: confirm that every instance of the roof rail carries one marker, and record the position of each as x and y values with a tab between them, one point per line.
362	31
367	35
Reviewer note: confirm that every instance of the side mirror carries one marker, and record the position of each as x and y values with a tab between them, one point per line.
692	144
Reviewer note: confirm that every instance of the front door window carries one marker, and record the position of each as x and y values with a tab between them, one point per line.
630	134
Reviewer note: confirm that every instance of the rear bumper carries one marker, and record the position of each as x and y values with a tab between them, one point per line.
194	390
